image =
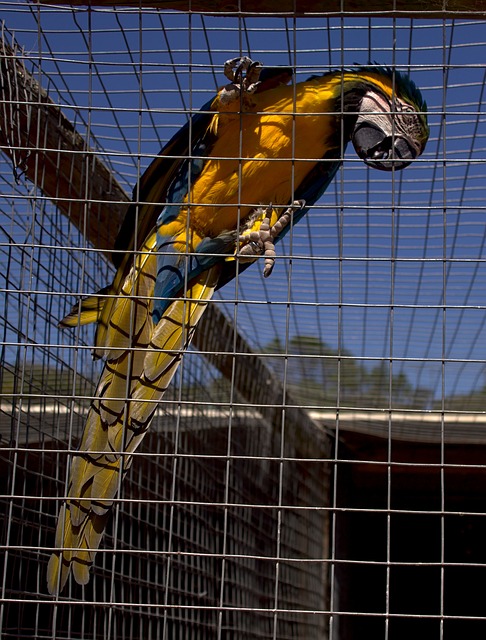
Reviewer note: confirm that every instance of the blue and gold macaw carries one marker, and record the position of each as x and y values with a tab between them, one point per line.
219	196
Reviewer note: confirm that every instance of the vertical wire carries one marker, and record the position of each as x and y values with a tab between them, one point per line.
142	100
367	257
445	271
400	211
288	310
391	338
111	619
224	551
310	236
84	232
159	512
335	622
176	456
332	512
124	457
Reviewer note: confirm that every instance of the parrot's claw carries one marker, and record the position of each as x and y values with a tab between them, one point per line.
261	242
243	74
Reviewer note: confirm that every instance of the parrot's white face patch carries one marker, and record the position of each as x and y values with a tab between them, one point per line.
379	107
385	133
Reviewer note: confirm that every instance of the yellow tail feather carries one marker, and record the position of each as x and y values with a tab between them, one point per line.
141	361
87	310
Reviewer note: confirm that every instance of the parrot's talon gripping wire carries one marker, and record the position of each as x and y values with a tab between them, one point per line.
243	74
262	242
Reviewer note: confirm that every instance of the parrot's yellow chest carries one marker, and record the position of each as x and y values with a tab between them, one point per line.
261	157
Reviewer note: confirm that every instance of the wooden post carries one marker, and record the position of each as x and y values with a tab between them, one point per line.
44	145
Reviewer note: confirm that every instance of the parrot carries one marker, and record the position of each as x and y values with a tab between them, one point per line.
222	192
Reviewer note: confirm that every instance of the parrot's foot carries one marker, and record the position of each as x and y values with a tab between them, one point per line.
261	242
243	74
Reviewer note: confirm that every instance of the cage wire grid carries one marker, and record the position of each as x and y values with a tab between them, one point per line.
316	468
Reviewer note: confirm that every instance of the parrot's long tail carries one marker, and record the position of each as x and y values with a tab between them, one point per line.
141	359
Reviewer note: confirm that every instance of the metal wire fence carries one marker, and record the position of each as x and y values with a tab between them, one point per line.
316	468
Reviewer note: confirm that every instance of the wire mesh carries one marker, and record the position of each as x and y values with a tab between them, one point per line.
316	468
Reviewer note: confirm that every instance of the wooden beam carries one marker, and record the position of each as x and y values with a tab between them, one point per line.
45	146
229	352
397	8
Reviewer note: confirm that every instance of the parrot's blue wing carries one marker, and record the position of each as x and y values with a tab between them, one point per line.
158	180
175	270
157	199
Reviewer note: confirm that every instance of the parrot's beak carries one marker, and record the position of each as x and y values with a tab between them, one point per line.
381	150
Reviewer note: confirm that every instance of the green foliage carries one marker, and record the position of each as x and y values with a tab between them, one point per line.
314	373
474	401
319	375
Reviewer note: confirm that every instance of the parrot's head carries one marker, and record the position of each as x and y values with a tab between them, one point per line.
391	128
